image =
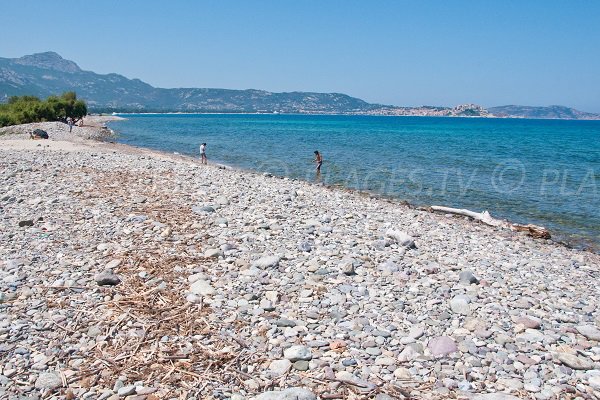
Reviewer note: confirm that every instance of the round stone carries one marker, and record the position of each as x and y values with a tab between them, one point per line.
442	345
280	367
48	381
298	352
301	365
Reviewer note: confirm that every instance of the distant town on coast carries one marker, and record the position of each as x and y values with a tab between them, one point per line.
45	74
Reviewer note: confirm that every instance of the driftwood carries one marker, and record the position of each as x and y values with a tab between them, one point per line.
535	231
484	217
538	232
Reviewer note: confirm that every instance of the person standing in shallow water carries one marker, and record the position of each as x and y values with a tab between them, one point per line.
203	153
318	160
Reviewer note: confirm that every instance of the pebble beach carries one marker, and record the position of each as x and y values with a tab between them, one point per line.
132	274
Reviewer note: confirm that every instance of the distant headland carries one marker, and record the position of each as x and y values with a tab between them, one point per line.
45	74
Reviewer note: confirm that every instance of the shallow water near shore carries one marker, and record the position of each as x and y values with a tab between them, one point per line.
544	172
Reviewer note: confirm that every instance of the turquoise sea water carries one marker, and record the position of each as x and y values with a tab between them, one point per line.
545	172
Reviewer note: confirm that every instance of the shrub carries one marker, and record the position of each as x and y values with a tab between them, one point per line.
26	109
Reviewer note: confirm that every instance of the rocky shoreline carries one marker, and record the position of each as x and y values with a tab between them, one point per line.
127	273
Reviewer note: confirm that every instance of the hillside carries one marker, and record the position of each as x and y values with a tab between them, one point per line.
550	112
48	73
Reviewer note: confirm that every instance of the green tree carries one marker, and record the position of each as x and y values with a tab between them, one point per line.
25	109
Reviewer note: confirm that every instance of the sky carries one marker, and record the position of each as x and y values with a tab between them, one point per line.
405	53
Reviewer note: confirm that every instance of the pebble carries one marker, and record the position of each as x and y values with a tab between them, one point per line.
408	354
298	352
213	253
283	322
467	277
402	373
594	381
416	332
530	322
348	269
203	209
201	287
460	305
48	381
442	345
280	367
589	331
301	365
107	278
305	247
287	394
267	262
402	238
575	362
126	391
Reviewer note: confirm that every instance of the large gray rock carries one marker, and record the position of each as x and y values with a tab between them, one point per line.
362	385
305	246
266	262
347	268
213	253
287	394
107	278
416	332
126	391
203	209
48	381
594	381
467	278
460	305
14	263
571	360
298	352
285	323
402	238
408	354
280	367
440	346
589	331
202	288
529	322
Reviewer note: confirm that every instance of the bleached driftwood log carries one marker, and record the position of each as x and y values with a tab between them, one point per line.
532	230
484	217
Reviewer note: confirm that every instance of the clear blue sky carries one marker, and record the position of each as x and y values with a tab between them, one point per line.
393	52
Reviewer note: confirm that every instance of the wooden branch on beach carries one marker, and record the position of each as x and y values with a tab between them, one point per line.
538	232
484	217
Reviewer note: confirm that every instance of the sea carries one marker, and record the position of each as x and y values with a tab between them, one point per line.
542	172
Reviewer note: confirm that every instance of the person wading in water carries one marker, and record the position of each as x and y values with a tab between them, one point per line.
203	153
318	160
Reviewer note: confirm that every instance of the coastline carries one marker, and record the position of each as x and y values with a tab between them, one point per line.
247	266
357	115
558	236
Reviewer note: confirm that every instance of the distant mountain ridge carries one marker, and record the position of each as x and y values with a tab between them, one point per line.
45	74
549	112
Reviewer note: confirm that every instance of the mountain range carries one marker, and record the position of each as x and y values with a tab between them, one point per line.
45	74
550	112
